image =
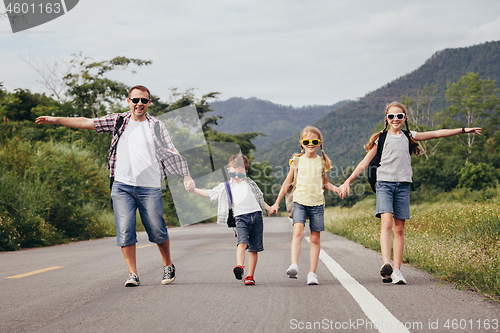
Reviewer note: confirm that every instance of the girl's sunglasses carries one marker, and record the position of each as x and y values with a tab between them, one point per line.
136	100
391	116
239	175
315	142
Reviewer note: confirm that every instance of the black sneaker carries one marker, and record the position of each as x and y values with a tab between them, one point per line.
386	271
132	281
168	274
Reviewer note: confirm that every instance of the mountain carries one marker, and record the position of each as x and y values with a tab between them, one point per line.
240	115
347	129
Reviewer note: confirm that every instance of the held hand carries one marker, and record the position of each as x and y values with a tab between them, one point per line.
189	184
270	211
275	208
344	190
46	120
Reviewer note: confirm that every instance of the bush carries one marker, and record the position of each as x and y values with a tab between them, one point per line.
50	192
477	177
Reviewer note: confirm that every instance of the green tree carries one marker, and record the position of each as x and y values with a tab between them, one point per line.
18	106
473	100
421	115
91	92
477	177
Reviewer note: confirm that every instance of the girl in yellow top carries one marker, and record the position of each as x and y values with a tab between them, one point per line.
308	198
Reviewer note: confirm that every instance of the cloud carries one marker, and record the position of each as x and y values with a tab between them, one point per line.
287	51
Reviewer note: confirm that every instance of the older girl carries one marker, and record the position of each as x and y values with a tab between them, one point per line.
394	176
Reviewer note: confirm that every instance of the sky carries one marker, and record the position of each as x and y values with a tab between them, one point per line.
289	52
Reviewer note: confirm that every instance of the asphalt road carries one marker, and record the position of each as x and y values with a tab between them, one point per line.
78	287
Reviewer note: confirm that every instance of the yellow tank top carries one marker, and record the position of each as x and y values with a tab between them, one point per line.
309	182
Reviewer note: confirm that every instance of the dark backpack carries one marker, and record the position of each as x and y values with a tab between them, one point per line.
231	221
375	163
118	125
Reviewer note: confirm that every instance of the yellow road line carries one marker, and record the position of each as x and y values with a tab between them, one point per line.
34	272
140	247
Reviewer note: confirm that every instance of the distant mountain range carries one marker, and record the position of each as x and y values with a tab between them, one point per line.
346	126
240	115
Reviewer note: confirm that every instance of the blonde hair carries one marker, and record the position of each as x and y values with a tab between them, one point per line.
415	147
314	130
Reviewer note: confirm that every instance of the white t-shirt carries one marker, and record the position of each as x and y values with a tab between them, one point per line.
136	163
395	162
244	200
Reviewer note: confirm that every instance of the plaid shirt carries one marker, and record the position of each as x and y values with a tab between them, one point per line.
219	192
170	162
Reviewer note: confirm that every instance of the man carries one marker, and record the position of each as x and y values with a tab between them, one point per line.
140	157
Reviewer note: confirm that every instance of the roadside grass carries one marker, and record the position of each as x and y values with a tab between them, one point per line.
455	241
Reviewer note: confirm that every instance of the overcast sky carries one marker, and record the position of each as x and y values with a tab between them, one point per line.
291	52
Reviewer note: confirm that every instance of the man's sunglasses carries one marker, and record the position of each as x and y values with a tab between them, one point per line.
391	116
136	100
315	142
239	175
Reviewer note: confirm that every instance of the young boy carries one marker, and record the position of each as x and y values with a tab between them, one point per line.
248	206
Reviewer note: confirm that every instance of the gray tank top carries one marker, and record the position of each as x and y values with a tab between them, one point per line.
395	162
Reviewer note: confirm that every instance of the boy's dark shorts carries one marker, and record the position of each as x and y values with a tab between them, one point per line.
250	231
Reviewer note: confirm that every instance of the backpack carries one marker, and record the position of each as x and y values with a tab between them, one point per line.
231	221
375	163
118	125
294	163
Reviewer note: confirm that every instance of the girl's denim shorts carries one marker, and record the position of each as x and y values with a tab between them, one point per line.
394	198
316	216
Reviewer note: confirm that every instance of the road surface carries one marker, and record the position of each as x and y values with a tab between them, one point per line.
78	287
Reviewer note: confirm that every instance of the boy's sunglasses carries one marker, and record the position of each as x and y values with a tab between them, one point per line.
315	142
239	175
136	100
391	116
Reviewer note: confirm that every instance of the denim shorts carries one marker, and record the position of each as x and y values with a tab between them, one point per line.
250	231
316	216
394	198
126	200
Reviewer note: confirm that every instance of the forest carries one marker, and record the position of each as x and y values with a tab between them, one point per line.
53	179
55	187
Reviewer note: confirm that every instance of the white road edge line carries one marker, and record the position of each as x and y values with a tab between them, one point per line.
382	319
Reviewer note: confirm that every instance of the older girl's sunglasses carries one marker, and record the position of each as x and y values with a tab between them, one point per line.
391	116
239	175
136	100
314	142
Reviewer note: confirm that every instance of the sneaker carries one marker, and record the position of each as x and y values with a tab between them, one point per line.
238	271
132	281
312	279
397	277
386	271
249	281
168	274
292	271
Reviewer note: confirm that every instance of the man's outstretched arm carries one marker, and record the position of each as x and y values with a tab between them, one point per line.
74	122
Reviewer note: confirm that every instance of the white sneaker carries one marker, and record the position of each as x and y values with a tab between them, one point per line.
312	279
397	277
292	271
